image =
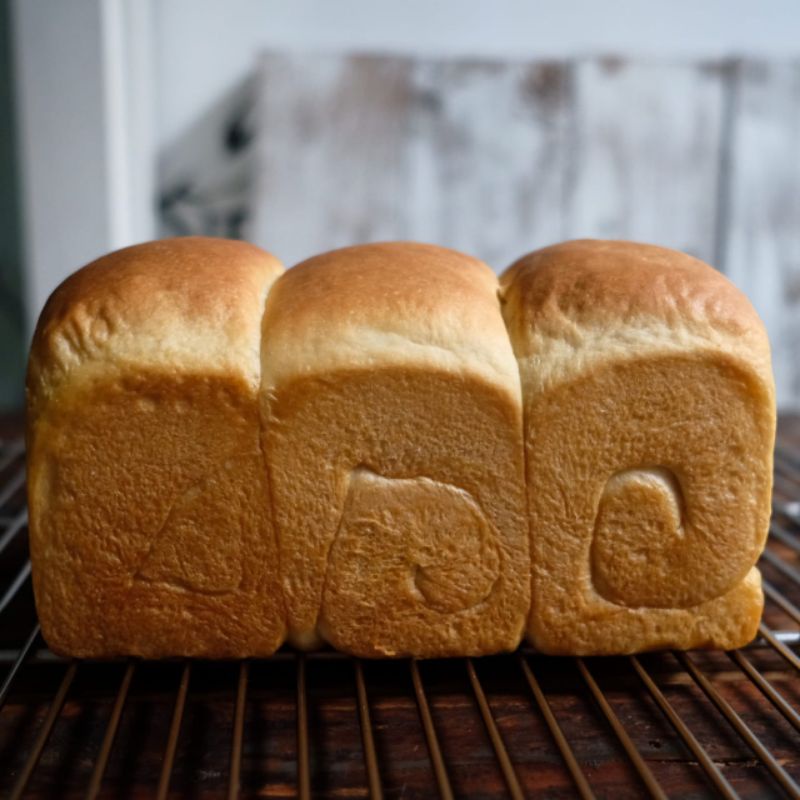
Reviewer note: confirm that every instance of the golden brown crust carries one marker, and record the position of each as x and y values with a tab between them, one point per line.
392	422
391	303
590	280
724	623
190	302
386	485
649	427
376	403
149	531
382	285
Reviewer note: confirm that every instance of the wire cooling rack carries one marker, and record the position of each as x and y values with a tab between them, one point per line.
662	725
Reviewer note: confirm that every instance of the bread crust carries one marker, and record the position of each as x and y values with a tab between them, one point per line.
149	531
578	304
595	281
185	304
390	400
649	429
220	452
398	303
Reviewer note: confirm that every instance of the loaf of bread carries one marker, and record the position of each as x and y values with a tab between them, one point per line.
387	450
649	430
393	433
150	532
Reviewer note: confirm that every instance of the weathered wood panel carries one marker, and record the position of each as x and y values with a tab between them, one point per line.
497	158
647	153
494	158
354	149
332	153
762	244
489	156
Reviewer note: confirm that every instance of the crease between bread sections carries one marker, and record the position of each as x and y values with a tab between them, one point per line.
389	450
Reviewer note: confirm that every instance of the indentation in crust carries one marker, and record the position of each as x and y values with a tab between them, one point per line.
84	333
186	552
433	532
649	485
640	517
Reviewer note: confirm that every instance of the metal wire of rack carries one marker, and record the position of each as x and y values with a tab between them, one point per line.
322	724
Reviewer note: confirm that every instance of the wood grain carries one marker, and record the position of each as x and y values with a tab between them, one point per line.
498	157
471	155
646	153
763	227
332	166
490	153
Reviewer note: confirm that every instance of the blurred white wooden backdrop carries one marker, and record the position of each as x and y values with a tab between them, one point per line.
493	127
498	157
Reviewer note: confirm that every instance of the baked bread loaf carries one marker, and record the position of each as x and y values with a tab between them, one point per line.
149	530
393	433
649	431
221	454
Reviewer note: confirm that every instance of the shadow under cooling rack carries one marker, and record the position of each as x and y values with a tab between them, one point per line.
697	724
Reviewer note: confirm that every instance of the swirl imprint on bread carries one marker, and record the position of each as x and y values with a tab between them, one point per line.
393	432
415	542
649	427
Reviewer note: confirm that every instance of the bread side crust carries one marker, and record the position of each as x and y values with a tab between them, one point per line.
416	314
595	326
190	304
389	304
150	358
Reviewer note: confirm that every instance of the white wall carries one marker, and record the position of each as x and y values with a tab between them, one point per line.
83	101
205	47
103	84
